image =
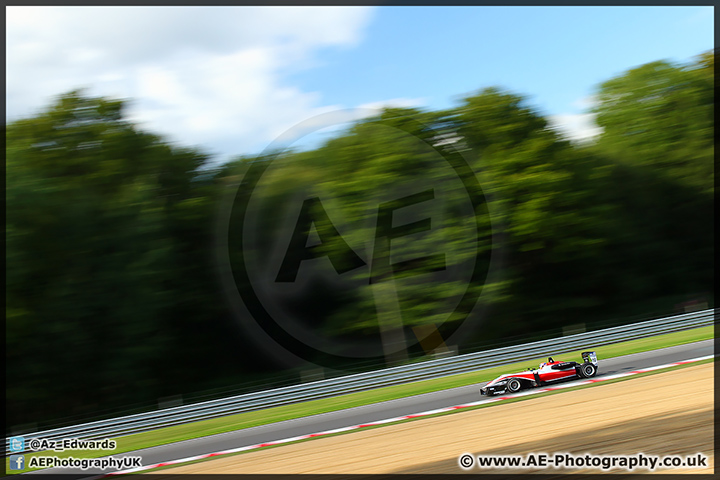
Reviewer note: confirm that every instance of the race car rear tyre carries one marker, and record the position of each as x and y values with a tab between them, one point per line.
513	385
588	370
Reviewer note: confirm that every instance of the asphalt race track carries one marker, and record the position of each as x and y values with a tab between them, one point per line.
374	412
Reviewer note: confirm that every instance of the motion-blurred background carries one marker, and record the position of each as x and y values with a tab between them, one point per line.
114	302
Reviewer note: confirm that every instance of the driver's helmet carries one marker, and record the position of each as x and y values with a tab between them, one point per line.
550	360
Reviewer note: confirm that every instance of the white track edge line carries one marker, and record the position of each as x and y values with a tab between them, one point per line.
413	416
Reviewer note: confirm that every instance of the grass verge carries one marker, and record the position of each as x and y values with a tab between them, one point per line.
504	402
314	407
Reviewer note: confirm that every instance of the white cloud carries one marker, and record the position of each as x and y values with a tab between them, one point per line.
210	76
576	127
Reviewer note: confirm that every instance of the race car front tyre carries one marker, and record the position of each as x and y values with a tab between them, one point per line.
587	370
513	385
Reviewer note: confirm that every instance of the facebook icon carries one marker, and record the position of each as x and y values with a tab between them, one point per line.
17	444
17	462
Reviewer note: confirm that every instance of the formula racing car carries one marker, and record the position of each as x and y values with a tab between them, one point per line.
549	372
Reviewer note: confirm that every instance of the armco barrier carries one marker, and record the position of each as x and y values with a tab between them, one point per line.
379	378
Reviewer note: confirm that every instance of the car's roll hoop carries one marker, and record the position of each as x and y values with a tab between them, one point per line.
590	357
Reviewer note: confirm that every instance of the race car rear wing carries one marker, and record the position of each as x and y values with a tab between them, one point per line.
589	357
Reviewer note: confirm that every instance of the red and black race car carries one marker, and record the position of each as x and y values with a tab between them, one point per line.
549	372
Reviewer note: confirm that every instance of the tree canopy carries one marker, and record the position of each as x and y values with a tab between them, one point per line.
112	282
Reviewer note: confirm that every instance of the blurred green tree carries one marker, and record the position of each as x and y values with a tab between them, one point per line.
106	243
661	115
112	295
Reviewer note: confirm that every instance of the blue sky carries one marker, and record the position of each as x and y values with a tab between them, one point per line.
557	55
232	79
